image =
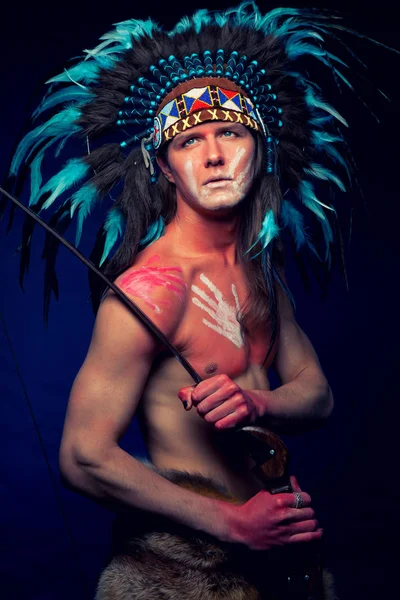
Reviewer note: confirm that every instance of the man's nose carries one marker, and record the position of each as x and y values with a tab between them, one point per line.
213	153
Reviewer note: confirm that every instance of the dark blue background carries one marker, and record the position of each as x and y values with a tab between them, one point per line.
344	467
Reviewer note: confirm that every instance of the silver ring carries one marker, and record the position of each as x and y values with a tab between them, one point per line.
299	500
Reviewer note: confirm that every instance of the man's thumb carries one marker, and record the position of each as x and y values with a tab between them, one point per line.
295	484
185	395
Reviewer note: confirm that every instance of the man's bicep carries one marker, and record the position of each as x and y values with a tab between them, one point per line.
108	387
295	352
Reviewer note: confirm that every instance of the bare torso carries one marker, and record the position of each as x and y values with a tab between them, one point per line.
209	338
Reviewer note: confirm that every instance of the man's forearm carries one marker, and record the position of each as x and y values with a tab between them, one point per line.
121	482
307	398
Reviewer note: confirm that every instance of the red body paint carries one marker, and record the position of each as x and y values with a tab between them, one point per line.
143	281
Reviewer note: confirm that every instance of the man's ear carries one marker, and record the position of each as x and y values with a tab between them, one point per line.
163	164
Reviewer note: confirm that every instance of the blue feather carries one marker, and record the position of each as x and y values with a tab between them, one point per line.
322	141
298	36
298	49
201	18
82	201
65	95
337	72
36	174
307	195
113	226
321	172
86	72
57	126
269	22
72	173
314	102
321	121
120	39
293	220
135	28
181	26
269	230
154	232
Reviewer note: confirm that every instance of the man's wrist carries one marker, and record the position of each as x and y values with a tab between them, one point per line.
226	521
261	401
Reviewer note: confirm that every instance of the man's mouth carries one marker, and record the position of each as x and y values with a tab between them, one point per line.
217	180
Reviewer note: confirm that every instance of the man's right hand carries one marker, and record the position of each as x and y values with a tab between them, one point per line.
266	520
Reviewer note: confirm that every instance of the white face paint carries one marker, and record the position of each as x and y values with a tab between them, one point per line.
225	193
227	157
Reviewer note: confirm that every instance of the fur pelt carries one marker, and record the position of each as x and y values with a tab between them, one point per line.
154	559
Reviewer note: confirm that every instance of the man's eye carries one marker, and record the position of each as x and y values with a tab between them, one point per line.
188	142
229	133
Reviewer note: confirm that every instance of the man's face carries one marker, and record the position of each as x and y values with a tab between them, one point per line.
212	165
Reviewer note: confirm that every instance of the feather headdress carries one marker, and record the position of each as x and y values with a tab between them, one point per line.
111	97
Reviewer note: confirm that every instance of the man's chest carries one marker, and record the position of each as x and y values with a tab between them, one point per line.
212	333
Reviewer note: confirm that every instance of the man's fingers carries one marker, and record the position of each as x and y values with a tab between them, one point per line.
303	527
289	499
310	536
299	514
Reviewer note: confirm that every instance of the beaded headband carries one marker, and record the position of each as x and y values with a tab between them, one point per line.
203	102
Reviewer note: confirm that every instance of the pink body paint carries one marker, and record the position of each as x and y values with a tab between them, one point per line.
142	282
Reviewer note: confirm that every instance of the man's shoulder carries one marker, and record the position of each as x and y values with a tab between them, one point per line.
156	283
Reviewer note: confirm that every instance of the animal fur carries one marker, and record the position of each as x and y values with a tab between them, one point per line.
156	559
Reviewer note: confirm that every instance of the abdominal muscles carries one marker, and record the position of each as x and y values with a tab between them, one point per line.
183	440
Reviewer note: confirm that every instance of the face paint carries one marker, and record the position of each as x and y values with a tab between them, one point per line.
142	282
224	193
224	315
232	162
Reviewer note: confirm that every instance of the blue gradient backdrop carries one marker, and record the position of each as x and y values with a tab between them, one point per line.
344	467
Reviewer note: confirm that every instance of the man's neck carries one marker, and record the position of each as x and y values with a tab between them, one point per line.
205	234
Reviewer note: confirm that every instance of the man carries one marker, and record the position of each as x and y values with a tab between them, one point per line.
191	285
232	124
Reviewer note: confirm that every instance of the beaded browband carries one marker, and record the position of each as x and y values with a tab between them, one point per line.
203	101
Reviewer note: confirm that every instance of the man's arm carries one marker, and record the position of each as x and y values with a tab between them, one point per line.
304	395
102	403
302	402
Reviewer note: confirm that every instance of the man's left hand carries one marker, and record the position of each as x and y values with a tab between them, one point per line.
220	401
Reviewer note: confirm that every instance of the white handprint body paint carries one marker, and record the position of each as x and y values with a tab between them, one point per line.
224	315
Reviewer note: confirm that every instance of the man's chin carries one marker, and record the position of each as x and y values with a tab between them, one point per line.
222	205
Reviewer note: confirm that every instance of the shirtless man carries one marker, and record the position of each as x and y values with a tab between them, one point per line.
190	283
207	92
